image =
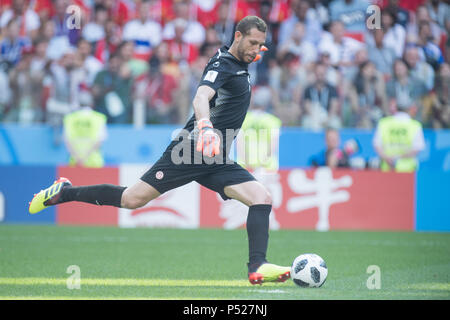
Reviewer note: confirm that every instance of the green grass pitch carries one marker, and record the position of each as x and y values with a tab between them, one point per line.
146	263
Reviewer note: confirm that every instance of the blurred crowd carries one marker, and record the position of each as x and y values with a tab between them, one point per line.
330	63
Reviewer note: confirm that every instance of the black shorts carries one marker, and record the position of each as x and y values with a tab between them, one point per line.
164	175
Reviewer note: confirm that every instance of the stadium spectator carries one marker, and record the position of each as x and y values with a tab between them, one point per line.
447	43
39	59
62	81
108	45
340	47
89	64
225	24
259	71
383	57
439	11
60	19
206	11
239	9
420	16
360	57
84	132
320	102
57	45
333	155
196	72
194	31
144	32
320	12
417	68
136	66
112	90
410	5
301	12
398	139
120	11
438	116
394	33
5	90
25	87
44	9
27	19
369	94
293	24
94	30
403	90
429	51
211	44
352	13
299	46
13	44
38	69
287	81
279	11
180	51
333	75
401	14
158	88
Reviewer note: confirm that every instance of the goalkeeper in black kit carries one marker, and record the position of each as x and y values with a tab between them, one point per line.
200	153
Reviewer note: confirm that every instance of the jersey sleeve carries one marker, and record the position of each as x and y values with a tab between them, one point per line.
215	75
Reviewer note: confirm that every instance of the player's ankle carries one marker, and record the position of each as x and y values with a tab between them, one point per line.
254	265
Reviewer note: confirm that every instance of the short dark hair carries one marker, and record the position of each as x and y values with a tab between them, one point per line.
246	24
319	64
99	7
391	12
330	128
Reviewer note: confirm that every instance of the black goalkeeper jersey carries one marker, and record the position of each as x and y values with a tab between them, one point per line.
230	79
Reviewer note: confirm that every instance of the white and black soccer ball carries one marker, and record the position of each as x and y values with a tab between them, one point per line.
309	270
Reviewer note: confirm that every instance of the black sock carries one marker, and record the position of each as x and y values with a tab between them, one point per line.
258	234
100	194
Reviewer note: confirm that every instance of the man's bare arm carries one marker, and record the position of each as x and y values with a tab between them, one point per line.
201	102
208	141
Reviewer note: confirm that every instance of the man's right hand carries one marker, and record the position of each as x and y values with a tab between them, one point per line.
208	141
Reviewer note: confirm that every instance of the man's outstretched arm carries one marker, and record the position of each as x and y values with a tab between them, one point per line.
208	141
201	102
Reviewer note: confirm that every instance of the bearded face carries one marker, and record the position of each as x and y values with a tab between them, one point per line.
249	45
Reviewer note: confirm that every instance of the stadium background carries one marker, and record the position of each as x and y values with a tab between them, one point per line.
163	73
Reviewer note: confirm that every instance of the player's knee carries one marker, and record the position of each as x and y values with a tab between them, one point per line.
268	198
263	198
130	201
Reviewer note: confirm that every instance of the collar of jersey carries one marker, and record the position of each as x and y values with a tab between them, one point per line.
224	51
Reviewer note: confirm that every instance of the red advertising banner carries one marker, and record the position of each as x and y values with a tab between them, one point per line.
323	199
86	214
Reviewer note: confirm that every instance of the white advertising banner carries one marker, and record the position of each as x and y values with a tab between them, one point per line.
178	208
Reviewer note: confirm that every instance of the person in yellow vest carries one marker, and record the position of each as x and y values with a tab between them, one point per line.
258	140
84	133
398	139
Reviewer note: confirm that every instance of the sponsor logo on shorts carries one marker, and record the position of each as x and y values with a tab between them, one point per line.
159	175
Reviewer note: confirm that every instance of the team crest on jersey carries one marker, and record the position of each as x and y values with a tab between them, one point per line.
159	175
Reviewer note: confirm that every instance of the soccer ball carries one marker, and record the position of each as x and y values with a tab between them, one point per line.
309	270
